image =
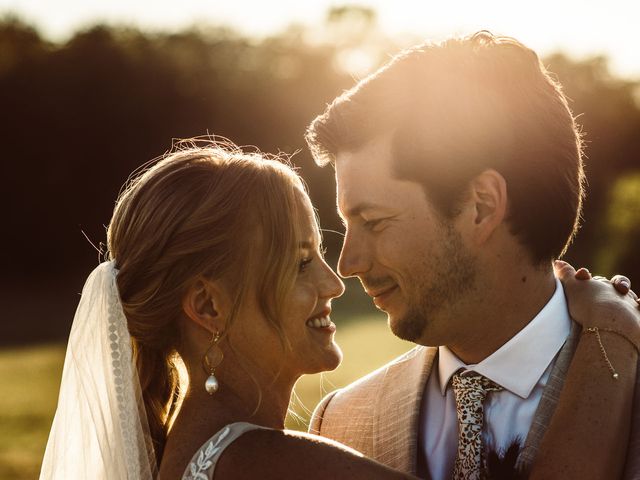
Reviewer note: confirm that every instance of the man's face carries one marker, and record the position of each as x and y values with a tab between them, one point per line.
411	261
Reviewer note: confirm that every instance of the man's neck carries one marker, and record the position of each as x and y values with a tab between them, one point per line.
508	300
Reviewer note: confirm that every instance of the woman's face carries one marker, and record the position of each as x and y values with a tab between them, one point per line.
305	318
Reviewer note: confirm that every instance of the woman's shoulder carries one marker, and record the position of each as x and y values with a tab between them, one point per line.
242	451
272	454
203	462
262	441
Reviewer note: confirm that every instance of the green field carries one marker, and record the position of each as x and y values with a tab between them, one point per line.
31	376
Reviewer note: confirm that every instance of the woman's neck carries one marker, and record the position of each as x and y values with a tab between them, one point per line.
201	415
267	407
259	398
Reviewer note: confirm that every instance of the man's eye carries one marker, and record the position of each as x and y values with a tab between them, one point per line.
304	263
371	224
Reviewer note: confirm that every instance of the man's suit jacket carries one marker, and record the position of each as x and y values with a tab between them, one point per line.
379	414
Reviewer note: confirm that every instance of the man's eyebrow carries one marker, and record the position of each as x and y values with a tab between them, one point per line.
305	244
358	209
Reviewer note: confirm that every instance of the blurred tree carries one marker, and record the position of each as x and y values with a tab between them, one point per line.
620	252
78	117
19	43
359	42
609	114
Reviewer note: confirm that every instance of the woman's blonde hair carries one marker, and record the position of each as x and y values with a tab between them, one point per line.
199	211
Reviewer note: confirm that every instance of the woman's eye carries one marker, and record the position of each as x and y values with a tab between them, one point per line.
304	263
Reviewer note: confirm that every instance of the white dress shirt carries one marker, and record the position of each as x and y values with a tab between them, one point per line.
521	366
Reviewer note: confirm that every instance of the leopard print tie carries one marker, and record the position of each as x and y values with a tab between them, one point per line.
470	390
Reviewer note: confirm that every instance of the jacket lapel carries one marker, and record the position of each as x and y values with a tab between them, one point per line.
549	399
397	409
581	429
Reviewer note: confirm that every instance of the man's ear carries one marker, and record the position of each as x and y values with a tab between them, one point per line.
488	202
207	304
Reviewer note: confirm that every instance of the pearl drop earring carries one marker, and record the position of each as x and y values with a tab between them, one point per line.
211	385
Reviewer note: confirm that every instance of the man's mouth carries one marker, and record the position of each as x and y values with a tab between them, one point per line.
381	292
382	296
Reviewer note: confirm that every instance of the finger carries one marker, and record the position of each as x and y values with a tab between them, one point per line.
621	283
583	274
564	271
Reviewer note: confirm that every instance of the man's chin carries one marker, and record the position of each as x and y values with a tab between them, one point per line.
408	327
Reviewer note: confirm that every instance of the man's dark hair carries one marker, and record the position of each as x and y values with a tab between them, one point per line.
463	106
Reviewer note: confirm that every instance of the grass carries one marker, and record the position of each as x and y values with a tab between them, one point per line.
31	378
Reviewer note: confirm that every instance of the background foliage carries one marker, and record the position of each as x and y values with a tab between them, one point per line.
78	117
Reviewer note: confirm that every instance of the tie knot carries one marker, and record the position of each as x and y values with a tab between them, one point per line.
473	385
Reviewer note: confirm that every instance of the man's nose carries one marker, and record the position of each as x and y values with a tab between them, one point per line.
352	257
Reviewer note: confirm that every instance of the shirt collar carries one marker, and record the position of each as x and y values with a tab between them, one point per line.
519	364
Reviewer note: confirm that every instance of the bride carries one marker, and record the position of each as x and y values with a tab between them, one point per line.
188	341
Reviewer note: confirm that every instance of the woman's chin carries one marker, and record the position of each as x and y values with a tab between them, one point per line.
336	359
330	360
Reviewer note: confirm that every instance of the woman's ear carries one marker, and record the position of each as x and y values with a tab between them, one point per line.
489	199
206	303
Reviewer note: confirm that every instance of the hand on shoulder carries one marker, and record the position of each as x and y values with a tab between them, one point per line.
595	302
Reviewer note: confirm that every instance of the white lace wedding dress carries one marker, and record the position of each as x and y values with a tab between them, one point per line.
203	463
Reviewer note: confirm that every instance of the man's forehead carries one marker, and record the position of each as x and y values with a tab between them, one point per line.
362	176
373	156
365	192
366	164
366	182
356	187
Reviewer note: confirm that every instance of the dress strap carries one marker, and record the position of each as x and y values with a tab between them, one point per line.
203	462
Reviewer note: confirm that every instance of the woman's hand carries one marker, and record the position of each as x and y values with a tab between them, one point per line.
594	304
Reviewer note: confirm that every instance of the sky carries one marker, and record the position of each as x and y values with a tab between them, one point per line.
581	28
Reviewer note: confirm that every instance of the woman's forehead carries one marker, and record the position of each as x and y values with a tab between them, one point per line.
307	221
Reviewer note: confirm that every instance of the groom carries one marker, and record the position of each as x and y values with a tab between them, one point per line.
459	179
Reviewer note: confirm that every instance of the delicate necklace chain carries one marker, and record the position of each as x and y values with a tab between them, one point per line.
596	330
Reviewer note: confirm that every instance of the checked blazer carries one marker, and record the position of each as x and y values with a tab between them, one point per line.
579	431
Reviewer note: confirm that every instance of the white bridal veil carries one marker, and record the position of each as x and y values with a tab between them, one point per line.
100	429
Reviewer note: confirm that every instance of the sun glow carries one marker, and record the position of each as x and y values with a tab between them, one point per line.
578	27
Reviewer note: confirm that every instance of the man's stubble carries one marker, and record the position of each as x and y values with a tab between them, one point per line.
443	278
